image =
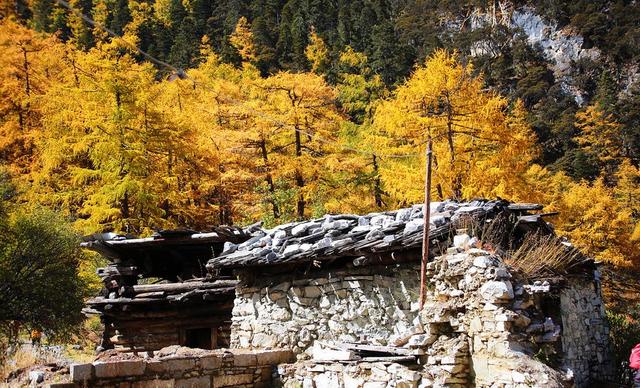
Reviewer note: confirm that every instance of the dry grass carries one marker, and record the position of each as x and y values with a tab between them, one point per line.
540	256
497	232
23	358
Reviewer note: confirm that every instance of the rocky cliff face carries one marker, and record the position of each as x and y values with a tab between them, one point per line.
561	47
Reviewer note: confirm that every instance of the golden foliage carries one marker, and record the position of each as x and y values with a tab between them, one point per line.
242	40
317	53
107	140
482	146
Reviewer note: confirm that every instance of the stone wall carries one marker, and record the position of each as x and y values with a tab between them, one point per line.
370	305
183	367
585	335
370	375
483	324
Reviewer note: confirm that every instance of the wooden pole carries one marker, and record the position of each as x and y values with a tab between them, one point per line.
425	229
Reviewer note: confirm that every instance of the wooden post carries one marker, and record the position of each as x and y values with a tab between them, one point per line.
425	229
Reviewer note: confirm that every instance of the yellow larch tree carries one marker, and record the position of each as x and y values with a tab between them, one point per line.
481	145
114	155
242	40
317	53
30	63
299	116
217	107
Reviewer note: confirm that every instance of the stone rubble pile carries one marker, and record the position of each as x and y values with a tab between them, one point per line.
475	297
176	366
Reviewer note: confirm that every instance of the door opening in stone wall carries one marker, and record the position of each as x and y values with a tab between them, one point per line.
201	338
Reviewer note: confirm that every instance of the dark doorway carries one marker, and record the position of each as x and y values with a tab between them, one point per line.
198	338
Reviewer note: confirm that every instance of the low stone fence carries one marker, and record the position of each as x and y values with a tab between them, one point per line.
202	369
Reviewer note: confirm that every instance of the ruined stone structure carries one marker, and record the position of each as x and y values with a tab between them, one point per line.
341	294
348	287
290	312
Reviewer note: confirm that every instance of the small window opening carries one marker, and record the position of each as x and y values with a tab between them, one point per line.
198	338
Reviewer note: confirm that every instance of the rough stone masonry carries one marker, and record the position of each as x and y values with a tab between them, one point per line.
483	324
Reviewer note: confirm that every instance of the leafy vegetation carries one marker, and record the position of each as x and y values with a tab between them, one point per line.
625	334
117	146
283	110
40	288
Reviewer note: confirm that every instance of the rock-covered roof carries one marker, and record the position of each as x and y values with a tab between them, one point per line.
118	247
168	254
348	235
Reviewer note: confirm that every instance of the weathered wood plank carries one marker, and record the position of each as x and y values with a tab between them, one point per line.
380	349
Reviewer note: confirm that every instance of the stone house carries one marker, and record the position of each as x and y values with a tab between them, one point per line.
344	289
340	295
158	293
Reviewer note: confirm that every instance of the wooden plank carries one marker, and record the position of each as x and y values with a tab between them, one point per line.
154	294
175	311
121	301
389	359
525	206
326	352
380	349
181	287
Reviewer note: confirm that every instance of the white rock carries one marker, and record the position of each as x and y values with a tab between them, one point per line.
421	340
497	290
461	241
291	249
482	262
323	243
300	229
361	228
518	377
403	214
437	220
324	354
36	376
307	383
414	225
379	220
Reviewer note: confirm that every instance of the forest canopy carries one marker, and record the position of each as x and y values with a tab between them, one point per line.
284	110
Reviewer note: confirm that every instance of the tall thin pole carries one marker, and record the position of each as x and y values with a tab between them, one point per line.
425	228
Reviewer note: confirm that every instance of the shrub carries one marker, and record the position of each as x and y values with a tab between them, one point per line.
39	283
624	334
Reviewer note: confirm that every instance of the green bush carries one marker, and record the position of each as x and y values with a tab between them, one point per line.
39	283
625	334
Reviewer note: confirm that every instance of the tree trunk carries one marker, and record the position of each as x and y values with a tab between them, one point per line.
377	189
299	178
25	65
269	179
125	205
